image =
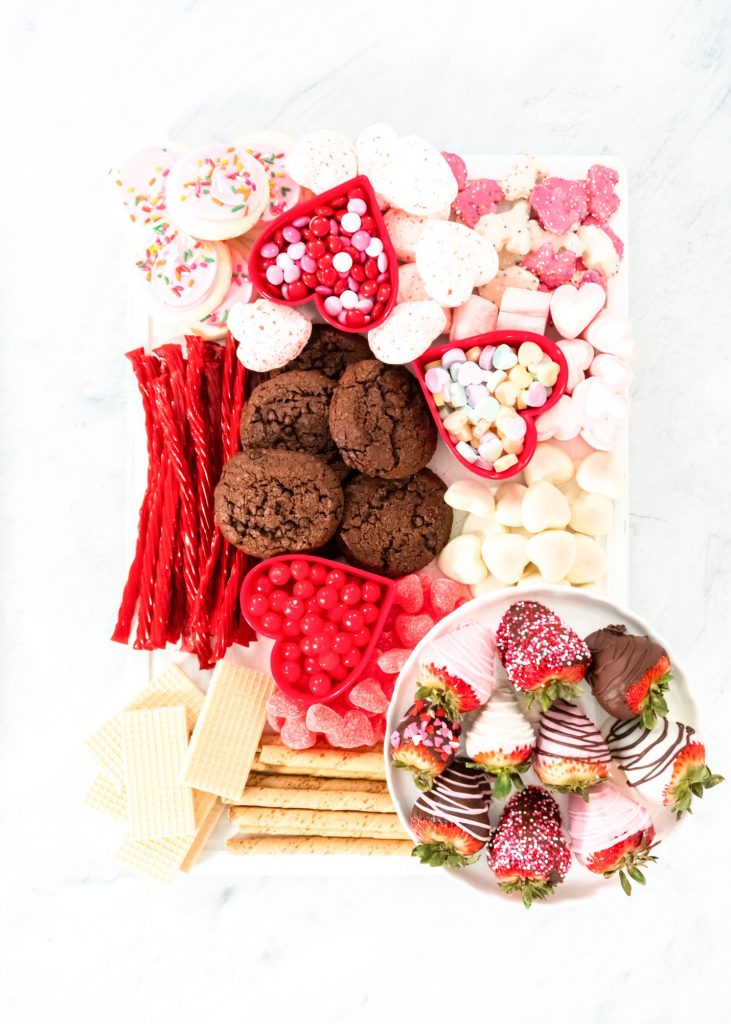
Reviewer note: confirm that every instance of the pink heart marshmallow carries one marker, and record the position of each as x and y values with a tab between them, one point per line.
612	333
573	309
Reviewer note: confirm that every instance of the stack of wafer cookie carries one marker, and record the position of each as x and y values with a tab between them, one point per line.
319	800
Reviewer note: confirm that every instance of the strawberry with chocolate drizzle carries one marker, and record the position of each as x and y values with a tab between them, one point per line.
541	654
528	852
424	742
451	820
571	754
629	674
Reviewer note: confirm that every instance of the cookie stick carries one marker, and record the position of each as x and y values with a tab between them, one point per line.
330	845
316	782
316	799
325	759
290	821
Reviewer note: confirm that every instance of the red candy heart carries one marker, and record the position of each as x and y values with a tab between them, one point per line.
324	634
354	731
335	249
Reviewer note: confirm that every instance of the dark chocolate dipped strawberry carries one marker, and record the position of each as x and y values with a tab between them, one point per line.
629	674
424	742
451	820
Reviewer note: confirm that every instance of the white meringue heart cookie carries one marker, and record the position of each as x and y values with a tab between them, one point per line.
553	552
404	230
411	289
549	463
452	260
591	514
484	526
470	496
573	309
596	405
599	252
603	436
374	149
461	559
612	333
590	563
578	354
269	335
616	373
408	332
601	473
544	508
407	171
508	503
506	556
322	159
560	422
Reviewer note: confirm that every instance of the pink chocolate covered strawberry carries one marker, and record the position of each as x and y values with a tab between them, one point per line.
611	834
571	753
424	742
527	852
457	670
541	654
451	820
501	741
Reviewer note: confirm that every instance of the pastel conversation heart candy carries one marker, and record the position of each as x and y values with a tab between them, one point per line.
561	204
322	159
408	332
477	198
573	309
452	260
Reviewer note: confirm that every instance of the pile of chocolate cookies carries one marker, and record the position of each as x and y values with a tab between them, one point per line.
334	447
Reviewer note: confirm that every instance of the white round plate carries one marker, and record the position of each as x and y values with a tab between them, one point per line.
584	612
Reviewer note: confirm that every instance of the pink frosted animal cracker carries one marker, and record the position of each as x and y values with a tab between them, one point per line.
322	160
475	316
459	168
603	200
561	204
551	268
479	197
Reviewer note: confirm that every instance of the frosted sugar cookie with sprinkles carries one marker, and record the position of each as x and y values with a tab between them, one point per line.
217	192
214	325
183	279
271	149
138	185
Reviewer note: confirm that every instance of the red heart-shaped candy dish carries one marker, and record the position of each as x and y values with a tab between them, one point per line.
324	617
514	339
333	249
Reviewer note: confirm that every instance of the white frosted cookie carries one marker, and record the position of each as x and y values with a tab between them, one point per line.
138	185
215	324
271	149
182	279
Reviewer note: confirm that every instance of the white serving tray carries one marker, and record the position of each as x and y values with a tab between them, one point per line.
145	330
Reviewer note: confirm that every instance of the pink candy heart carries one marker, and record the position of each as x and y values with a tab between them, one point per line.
561	204
560	422
573	309
369	696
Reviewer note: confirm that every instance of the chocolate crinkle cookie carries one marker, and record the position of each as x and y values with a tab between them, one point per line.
380	421
394	527
328	351
269	502
289	411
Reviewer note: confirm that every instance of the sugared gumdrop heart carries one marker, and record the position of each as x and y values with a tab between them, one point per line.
355	731
295	734
391	662
368	696
321	718
410	629
410	594
446	595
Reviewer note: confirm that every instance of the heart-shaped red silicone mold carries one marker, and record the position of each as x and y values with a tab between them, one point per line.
514	339
313	242
325	619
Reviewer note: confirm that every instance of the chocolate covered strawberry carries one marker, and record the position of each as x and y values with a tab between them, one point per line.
451	820
664	764
629	674
528	852
424	742
611	834
457	669
571	754
541	654
500	742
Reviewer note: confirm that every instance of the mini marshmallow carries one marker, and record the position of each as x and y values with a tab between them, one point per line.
611	333
509	229
484	526
510	277
616	373
523	310
573	309
506	556
600	473
591	514
579	354
521	180
452	259
538	237
322	160
591	561
470	496
553	553
560	421
544	508
461	559
475	316
549	463
508	502
599	252
269	335
408	332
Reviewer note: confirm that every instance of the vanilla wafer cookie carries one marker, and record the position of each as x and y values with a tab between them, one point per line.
154	743
204	832
107	796
317	799
329	845
161	859
169	689
224	741
324	760
290	821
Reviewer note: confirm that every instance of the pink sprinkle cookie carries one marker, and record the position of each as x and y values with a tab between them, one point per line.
475	316
452	260
459	168
322	160
561	204
603	200
271	149
551	268
269	335
138	185
573	309
409	331
183	279
477	198
214	325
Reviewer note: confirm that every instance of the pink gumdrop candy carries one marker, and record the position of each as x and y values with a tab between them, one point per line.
410	629
355	730
391	662
410	594
295	734
445	595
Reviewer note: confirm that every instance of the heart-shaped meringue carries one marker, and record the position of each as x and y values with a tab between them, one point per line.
408	332
544	508
549	463
452	260
269	335
579	354
560	422
616	373
408	172
553	552
573	309
322	160
612	333
506	556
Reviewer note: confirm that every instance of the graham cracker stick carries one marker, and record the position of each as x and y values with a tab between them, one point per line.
283	845
324	760
154	742
279	821
108	797
224	741
317	799
318	782
260	768
161	859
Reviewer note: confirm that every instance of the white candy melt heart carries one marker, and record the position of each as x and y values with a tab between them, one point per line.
322	160
470	496
560	422
600	473
549	463
461	559
508	501
485	526
269	335
599	252
488	586
615	372
506	556
553	553
591	561
612	333
544	508
509	229
579	354
408	332
475	316
408	172
452	260
573	309
591	514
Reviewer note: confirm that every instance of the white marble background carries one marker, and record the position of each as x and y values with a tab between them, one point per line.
84	81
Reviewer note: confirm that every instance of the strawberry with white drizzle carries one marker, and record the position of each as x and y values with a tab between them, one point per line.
457	669
501	742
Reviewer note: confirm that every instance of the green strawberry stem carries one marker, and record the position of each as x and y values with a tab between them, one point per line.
423	780
530	889
630	865
555	690
504	778
654	705
446	699
695	783
438	855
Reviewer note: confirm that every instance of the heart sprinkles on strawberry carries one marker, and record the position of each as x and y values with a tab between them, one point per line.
451	820
425	742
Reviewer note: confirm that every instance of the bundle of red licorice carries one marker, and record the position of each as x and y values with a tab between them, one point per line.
184	580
